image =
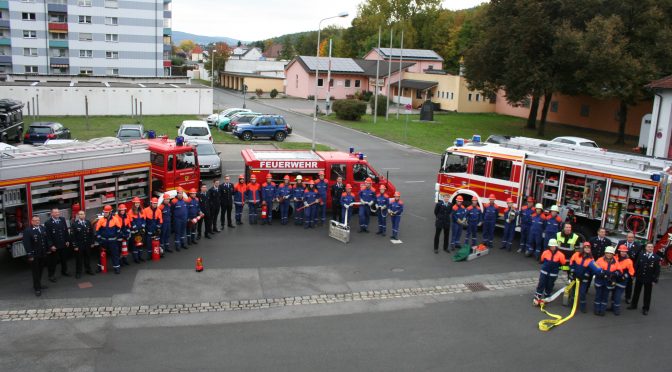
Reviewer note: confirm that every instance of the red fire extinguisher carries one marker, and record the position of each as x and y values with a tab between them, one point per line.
103	260
124	248
156	250
264	211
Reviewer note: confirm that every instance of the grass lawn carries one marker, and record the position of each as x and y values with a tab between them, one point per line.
301	146
437	136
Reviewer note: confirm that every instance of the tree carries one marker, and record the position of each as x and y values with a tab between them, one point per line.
239	43
222	52
187	45
287	51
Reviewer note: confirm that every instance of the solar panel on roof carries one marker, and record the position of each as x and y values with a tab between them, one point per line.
337	64
411	53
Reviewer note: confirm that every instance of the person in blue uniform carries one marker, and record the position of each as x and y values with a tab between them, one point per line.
180	216
510	216
347	204
459	220
166	225
283	194
268	195
367	198
311	199
396	210
490	213
382	204
525	223
297	197
535	238
474	218
322	187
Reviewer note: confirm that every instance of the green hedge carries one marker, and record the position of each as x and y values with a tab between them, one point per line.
382	104
349	109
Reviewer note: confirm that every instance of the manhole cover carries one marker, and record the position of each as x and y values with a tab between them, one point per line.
476	287
398	270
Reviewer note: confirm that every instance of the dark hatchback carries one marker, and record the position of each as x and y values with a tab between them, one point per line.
40	131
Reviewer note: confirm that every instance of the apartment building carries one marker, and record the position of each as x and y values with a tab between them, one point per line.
85	37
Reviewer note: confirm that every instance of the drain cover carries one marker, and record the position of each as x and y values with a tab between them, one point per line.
476	287
398	270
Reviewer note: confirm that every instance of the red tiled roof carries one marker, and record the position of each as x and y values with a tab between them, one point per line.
664	83
197	49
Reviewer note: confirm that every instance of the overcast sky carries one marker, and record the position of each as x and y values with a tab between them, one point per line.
252	20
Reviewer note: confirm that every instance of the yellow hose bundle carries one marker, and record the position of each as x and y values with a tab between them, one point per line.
548	324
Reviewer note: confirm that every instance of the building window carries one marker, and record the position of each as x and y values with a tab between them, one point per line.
28	16
585	110
296	82
29	34
112	71
58	18
111	21
451	95
357	83
86	71
347	83
469	97
493	98
418	94
59	70
59	52
167	22
30	69
58	36
112	38
320	82
554	106
86	53
478	97
85	36
111	4
112	55
84	2
30	52
85	19
62	2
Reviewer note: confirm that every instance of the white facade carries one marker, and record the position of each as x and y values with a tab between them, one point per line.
264	68
250	54
660	136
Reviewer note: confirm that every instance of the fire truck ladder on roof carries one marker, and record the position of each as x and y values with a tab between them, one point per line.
42	155
587	155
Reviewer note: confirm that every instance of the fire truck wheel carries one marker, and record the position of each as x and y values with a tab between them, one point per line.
247	136
279	136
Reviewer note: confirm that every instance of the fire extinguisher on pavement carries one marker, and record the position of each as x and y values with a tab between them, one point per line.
103	260
264	213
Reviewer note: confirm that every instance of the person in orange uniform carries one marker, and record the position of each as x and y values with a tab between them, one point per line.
153	221
137	229
239	191
628	270
459	219
107	234
583	267
124	232
551	260
610	271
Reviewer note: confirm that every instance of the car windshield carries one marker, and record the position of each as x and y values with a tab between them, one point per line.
589	144
205	149
129	133
196	131
245	119
40	130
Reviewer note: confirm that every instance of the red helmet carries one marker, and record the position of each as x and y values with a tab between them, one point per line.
369	180
269	176
397	194
348	186
166	196
622	248
122	207
253	177
459	198
286	177
241	177
179	189
311	182
155	200
321	173
492	196
509	200
107	208
136	200
586	244
193	190
530	199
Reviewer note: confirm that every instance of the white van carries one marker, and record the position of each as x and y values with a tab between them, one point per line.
194	130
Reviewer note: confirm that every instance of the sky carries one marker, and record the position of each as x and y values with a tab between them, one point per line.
252	20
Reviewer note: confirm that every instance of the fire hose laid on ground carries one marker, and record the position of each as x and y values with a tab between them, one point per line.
548	324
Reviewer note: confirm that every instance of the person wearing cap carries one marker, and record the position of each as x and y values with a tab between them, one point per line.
37	250
442	211
474	217
215	201
459	220
490	214
166	224
153	221
268	194
525	223
108	229
382	204
396	210
181	216
567	240
628	272
583	267
239	196
310	200
337	191
253	197
226	198
124	233
553	224
205	205
283	194
647	270
535	237
551	260
605	281
322	187
137	222
297	197
347	202
58	239
634	247
82	243
510	216
600	242
367	200
193	213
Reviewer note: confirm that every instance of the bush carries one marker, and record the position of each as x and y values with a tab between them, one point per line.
274	93
382	104
349	109
366	96
259	92
310	97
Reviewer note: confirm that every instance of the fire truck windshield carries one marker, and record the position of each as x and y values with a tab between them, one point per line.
184	161
453	163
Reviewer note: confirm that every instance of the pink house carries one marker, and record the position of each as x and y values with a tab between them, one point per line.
348	76
422	59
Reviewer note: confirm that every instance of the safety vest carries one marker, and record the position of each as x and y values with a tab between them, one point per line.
566	243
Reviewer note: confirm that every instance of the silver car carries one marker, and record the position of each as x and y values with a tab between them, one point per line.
208	158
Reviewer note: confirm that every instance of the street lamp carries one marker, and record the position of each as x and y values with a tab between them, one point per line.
212	77
317	68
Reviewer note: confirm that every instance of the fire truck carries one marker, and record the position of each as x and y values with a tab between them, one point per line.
593	187
352	166
85	176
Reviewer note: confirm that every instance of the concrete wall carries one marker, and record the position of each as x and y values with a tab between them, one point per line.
662	118
61	101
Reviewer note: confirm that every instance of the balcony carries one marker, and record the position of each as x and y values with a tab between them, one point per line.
59	62
167	14
5	41
167	31
53	26
5	60
58	43
4	4
4	23
57	8
167	63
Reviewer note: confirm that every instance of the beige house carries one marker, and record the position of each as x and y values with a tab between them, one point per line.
236	80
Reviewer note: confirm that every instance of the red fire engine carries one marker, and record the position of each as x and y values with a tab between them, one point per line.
84	176
593	187
353	167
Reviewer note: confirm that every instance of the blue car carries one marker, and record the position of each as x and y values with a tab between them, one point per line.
269	126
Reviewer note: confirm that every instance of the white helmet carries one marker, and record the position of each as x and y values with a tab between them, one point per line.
555	208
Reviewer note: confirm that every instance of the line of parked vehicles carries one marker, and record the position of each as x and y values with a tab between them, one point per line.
248	125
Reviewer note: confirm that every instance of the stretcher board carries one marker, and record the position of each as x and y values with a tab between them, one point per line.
340	231
476	253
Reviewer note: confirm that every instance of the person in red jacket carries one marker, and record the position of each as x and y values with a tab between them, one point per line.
628	270
605	281
551	260
108	229
582	266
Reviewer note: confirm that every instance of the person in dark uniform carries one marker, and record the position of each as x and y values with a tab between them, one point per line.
58	240
215	203
634	248
83	240
35	243
647	270
442	211
226	202
204	206
599	243
336	192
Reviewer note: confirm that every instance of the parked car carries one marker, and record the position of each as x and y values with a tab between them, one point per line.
40	131
194	130
575	141
271	126
131	132
215	119
241	118
225	118
208	158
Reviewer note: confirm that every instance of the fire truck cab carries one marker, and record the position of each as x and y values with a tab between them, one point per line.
593	187
174	164
353	167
